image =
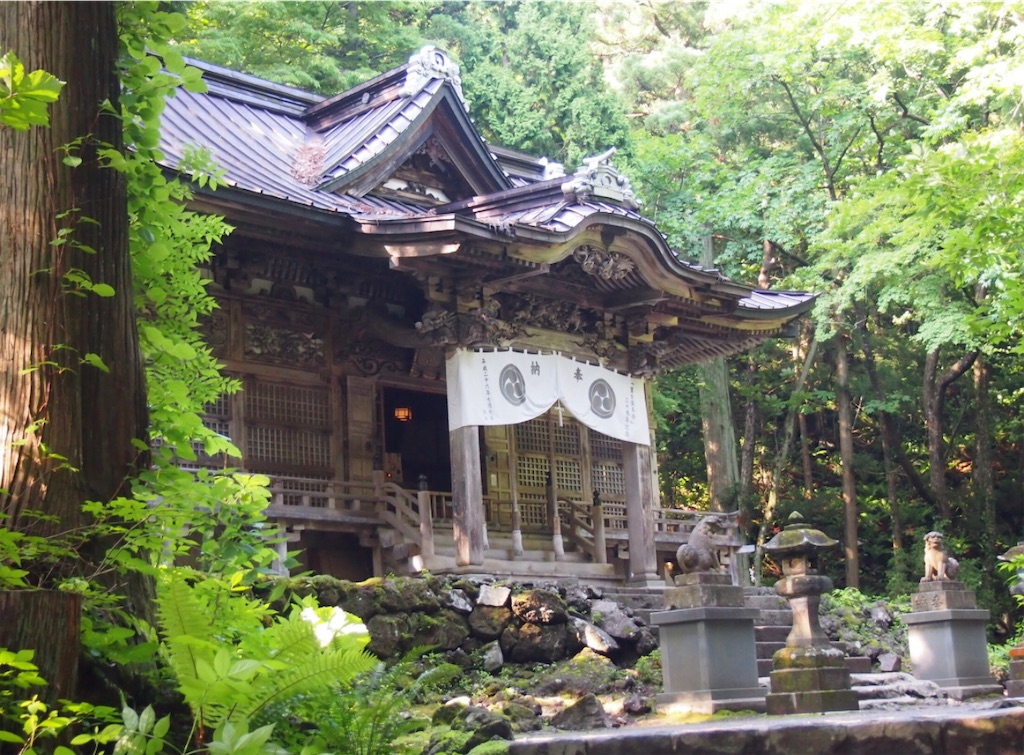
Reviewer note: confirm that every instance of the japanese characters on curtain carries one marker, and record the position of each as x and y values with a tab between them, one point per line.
508	387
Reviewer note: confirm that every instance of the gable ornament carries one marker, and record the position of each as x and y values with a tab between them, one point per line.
428	64
597	179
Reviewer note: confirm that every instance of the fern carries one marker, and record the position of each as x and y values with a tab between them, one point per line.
231	682
182	615
324	671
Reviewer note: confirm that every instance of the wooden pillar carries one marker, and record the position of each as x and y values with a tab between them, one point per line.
467	496
636	468
426	520
597	520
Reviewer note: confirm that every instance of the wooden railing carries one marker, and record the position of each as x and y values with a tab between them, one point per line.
413	515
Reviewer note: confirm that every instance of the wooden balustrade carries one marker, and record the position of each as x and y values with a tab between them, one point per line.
417	514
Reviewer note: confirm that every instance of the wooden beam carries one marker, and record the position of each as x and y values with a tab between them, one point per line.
633	297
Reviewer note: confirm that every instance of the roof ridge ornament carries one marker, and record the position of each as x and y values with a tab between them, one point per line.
428	64
596	178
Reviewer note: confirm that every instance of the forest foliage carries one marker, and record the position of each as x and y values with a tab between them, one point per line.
866	151
871	152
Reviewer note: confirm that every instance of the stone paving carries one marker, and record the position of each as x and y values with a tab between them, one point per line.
936	726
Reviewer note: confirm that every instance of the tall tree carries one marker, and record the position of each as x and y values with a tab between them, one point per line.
72	387
72	393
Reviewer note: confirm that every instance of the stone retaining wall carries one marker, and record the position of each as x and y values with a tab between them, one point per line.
485	622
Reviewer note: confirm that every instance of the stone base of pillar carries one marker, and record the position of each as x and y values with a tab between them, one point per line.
947	640
709	702
708	660
810	680
1015	684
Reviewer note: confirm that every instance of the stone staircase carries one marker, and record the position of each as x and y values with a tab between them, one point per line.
641	600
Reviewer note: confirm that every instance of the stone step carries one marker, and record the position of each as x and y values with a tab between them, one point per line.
894	687
762	602
775	617
774	633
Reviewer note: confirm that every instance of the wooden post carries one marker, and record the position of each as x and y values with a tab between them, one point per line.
467	496
597	519
556	520
426	519
636	468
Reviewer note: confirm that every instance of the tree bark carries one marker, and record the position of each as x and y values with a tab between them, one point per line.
981	469
749	437
67	427
716	420
934	400
845	407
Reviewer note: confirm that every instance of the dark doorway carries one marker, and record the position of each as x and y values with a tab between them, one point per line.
416	438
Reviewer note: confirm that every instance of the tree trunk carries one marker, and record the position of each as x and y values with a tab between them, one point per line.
48	622
716	421
749	437
781	458
719	435
934	400
889	441
67	428
845	406
805	441
981	470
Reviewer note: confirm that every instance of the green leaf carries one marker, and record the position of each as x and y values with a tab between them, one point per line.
103	289
6	736
95	361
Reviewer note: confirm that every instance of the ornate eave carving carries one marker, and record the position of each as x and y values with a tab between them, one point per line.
609	266
429	64
481	327
597	179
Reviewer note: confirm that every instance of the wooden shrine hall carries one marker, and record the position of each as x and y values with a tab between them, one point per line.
444	345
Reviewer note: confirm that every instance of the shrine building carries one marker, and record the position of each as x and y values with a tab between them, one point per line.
444	344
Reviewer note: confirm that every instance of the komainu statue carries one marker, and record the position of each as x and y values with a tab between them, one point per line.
699	553
938	564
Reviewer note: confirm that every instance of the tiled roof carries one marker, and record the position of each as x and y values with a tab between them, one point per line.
295	147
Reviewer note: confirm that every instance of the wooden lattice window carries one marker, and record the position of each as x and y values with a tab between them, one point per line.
216	416
287	429
606	466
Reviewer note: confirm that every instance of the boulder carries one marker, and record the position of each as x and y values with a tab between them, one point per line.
387	635
613	619
457	600
889	662
446	630
534	643
585	713
496	596
488	622
540	607
491	657
593	637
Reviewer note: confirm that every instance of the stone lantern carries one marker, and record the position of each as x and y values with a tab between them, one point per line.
1015	684
809	675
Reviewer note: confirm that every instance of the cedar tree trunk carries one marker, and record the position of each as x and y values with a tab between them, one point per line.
67	427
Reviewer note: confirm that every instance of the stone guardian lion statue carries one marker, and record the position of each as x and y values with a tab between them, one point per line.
699	552
938	564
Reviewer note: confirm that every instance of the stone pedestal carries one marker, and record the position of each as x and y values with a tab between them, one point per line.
707	647
946	634
1015	684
